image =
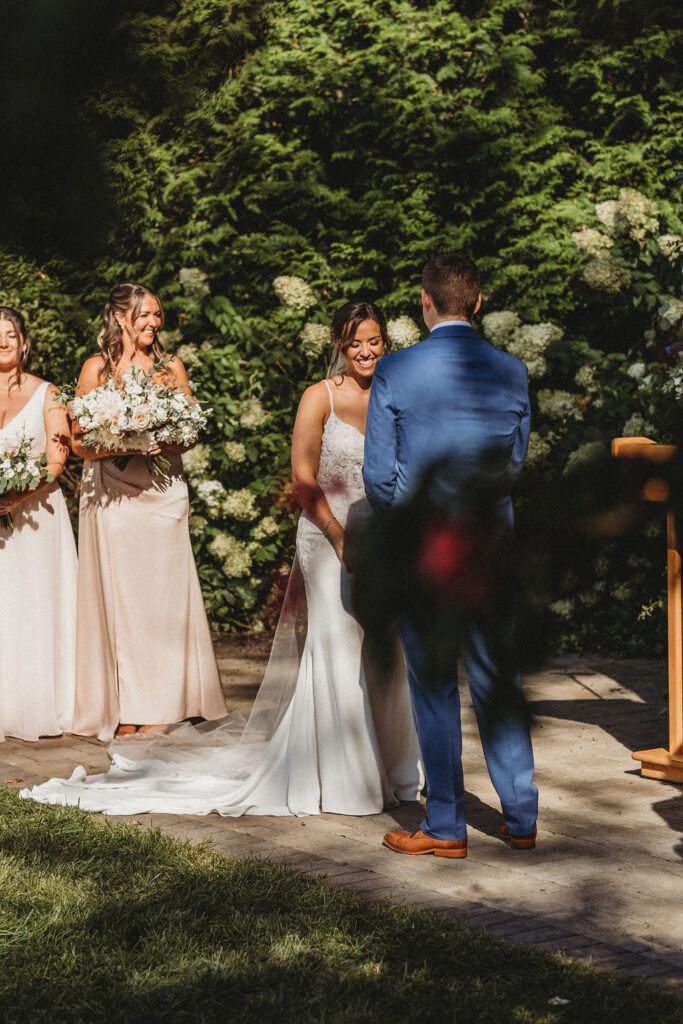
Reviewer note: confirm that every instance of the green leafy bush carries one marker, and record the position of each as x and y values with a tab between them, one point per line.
344	143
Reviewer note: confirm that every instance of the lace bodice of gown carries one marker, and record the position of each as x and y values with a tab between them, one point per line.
340	470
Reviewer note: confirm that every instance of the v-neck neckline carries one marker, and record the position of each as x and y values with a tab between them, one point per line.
23	408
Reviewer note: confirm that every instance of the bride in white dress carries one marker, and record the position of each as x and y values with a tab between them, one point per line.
37	557
327	732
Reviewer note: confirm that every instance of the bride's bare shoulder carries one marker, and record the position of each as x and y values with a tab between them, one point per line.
316	394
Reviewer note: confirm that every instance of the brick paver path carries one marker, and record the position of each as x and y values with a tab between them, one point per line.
605	881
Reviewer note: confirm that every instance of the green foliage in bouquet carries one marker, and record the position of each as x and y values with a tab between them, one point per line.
268	161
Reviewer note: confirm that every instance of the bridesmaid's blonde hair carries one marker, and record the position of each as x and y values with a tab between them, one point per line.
124	298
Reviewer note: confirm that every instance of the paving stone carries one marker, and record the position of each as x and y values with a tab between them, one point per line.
367	887
341	883
511	927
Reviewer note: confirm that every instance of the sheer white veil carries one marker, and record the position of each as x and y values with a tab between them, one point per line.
198	747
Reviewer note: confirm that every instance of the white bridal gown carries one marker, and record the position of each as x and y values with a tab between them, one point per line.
326	732
38	571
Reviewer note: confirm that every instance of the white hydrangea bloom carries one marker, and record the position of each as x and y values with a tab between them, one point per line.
540	336
636	371
266	528
608	214
171	338
639	212
535	362
194	283
196	462
590	242
565	608
601	565
189	355
252	414
232	554
585	377
558	405
240	504
583	455
675	381
314	339
403	332
637	426
670	246
235	451
499	327
295	294
538	450
212	493
606	274
674	311
637	561
197	525
529	343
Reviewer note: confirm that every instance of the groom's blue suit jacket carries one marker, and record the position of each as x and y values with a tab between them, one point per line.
452	399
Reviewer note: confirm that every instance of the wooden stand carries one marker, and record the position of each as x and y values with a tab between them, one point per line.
661	763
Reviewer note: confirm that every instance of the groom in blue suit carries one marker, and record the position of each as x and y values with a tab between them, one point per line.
443	406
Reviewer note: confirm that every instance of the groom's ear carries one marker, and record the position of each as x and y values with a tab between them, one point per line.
426	301
478	305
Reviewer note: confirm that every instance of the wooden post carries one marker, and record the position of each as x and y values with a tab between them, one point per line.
661	763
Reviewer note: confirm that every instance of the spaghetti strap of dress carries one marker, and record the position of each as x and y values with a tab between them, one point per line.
329	391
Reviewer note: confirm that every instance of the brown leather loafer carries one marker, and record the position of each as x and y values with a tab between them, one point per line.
417	842
526	842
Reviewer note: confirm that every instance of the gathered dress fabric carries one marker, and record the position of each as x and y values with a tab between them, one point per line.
144	651
328	730
38	571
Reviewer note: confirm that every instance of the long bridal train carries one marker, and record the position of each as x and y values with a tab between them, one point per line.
327	732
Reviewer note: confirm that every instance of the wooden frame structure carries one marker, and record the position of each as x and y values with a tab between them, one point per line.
662	763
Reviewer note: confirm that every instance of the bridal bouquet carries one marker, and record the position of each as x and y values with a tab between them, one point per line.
19	471
135	414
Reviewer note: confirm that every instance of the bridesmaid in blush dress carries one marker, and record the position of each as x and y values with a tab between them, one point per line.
37	557
144	652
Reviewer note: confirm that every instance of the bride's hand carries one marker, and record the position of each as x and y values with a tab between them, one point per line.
337	537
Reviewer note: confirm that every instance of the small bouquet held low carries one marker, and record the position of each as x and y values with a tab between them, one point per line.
19	471
136	414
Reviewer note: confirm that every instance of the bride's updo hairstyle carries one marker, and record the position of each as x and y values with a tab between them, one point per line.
126	298
24	350
345	323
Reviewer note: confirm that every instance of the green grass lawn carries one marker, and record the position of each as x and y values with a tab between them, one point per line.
109	922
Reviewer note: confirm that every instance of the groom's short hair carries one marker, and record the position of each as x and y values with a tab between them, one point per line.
453	284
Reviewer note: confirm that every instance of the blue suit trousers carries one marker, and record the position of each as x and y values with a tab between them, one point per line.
505	737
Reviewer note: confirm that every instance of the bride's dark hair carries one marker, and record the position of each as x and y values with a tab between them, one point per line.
24	350
125	298
346	321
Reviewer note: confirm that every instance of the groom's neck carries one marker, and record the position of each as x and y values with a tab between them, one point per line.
448	320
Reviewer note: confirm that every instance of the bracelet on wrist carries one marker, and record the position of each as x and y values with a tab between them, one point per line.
327	525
